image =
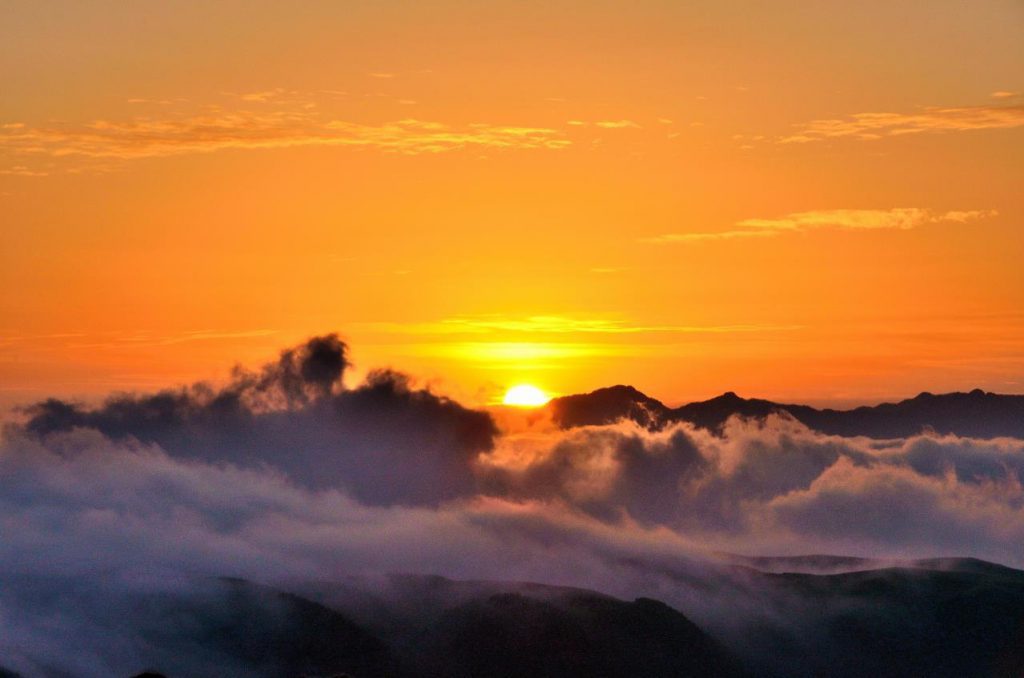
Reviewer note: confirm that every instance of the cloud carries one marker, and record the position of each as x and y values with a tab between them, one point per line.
776	484
385	443
196	335
296	415
535	354
617	124
897	510
541	342
897	218
220	128
904	218
286	475
23	171
263	96
610	124
871	126
101	535
555	324
697	237
107	544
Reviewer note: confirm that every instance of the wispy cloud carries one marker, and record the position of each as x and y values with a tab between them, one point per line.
901	218
548	342
696	237
554	324
610	124
616	124
219	128
869	126
528	354
23	171
265	95
62	341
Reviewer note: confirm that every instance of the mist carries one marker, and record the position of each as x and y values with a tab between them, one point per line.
284	476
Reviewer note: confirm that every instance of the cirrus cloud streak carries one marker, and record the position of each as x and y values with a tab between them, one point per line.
899	218
217	129
872	126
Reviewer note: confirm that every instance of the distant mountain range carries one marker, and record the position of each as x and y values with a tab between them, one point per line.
977	414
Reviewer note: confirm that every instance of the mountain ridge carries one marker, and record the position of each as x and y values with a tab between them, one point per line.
977	413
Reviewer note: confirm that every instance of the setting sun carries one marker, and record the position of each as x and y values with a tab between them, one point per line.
326	325
525	395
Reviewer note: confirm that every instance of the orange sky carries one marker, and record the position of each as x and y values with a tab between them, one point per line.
803	201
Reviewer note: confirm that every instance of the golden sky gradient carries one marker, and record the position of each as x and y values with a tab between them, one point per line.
803	201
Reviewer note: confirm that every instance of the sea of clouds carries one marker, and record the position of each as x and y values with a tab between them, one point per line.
283	475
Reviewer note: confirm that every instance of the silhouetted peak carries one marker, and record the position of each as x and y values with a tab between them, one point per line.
622	391
925	396
605	406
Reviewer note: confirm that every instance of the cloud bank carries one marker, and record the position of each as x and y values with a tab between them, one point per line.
774	485
757	484
284	474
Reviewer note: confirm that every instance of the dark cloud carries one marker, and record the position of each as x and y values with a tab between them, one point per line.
301	376
384	441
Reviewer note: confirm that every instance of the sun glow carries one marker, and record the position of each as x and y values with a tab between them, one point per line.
525	395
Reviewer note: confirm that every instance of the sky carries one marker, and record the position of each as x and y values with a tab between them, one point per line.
119	517
815	202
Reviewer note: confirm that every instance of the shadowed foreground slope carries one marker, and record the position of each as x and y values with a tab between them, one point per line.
945	617
230	628
938	617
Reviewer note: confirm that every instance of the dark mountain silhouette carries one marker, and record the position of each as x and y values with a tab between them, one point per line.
443	628
583	634
943	617
607	405
256	631
977	414
938	617
420	627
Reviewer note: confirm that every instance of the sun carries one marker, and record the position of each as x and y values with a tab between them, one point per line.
525	395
